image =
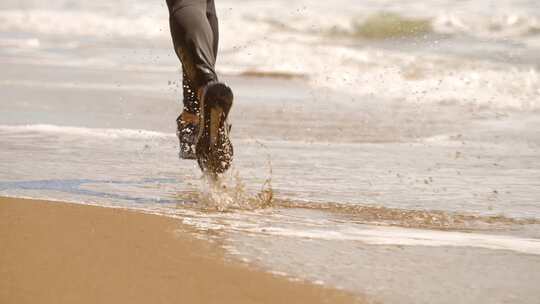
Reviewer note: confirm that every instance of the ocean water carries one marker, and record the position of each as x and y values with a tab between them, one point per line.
389	148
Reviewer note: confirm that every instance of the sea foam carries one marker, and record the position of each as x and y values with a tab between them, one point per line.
93	132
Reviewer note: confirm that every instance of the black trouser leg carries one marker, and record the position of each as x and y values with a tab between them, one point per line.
194	30
214	25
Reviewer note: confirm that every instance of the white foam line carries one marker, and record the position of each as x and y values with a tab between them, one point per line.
82	85
415	237
96	132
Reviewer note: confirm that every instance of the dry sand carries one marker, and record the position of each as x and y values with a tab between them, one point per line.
66	253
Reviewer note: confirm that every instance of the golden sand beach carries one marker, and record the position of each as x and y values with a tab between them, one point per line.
66	253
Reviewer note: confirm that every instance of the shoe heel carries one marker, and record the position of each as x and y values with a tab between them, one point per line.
214	149
219	95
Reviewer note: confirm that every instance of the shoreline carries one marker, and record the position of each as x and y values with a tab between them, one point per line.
55	252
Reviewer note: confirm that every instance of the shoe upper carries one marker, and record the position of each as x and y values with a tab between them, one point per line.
187	136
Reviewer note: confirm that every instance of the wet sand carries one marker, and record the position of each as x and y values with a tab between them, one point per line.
66	253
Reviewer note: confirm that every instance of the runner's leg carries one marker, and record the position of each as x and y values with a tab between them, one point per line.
193	39
214	24
190	98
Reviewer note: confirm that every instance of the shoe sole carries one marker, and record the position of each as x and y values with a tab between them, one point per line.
214	149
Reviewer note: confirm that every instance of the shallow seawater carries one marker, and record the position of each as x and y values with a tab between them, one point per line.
341	213
400	164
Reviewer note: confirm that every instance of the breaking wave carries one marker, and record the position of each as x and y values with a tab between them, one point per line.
254	43
81	23
384	25
389	25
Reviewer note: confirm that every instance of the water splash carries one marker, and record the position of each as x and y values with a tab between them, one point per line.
228	192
